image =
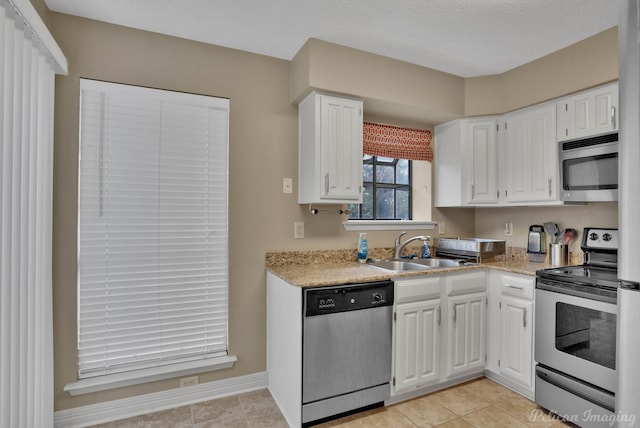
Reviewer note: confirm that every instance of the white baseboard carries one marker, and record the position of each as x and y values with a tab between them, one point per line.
148	403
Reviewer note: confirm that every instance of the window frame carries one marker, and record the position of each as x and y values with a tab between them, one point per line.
375	162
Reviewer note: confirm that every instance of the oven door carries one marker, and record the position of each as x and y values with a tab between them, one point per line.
577	336
589	171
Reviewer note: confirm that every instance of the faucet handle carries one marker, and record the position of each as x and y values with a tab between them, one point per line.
399	237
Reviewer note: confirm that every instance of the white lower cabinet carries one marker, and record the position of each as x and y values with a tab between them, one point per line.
417	349
466	333
516	335
439	329
510	330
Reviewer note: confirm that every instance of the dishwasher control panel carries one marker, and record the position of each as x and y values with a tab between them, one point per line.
342	298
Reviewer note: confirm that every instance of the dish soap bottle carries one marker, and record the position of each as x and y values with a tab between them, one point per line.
362	248
426	250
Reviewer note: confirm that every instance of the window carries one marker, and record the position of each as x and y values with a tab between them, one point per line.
387	190
152	248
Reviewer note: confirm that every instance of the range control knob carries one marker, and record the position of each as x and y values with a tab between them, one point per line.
606	237
593	236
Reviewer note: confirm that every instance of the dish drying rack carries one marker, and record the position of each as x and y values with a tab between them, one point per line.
472	249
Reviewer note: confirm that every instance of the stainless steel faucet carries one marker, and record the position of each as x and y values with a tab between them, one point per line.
398	245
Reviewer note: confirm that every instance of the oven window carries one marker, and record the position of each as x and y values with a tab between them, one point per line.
590	172
586	333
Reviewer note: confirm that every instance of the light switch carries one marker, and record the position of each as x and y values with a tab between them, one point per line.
508	229
441	228
298	230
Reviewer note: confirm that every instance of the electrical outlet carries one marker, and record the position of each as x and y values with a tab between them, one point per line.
442	229
508	229
287	185
298	230
188	381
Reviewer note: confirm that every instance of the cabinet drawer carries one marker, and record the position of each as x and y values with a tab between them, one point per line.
411	290
466	283
517	286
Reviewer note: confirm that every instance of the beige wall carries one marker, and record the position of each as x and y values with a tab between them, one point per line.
588	63
389	87
263	150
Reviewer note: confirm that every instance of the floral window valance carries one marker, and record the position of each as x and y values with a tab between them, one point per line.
396	142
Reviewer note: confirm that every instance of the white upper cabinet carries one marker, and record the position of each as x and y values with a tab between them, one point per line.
330	149
482	139
531	159
512	160
588	113
466	162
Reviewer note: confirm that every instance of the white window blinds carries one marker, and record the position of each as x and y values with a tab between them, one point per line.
152	263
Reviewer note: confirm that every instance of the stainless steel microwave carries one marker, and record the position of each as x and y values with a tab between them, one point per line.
589	169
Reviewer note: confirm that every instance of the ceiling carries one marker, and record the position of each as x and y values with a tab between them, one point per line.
464	37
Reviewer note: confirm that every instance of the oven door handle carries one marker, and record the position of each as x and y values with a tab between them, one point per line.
557	287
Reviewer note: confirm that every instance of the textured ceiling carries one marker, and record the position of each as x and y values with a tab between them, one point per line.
463	37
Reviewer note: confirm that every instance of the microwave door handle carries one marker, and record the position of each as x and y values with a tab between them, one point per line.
613	117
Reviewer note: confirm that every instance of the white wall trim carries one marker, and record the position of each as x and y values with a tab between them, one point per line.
358	225
40	30
148	403
150	374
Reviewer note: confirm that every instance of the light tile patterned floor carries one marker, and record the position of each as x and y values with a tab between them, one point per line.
480	403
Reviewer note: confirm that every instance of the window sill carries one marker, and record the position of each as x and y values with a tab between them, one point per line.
118	380
363	225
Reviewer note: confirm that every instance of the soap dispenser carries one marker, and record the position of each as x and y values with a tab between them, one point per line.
363	249
426	250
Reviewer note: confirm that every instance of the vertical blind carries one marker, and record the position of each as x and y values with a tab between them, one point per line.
29	59
152	262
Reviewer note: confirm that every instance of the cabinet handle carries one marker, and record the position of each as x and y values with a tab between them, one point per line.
516	287
453	309
549	186
326	184
524	318
439	315
472	189
613	117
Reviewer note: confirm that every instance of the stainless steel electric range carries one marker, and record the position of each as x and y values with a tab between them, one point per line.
575	332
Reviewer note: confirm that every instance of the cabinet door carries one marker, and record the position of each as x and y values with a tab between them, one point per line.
417	347
516	340
341	148
532	155
589	113
481	145
466	337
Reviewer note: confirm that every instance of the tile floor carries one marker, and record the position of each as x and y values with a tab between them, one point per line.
478	403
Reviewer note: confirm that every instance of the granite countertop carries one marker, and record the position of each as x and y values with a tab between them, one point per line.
320	268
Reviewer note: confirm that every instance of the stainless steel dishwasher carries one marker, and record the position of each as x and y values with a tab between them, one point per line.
346	355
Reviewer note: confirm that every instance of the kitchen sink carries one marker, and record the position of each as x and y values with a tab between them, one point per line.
442	263
397	265
413	264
